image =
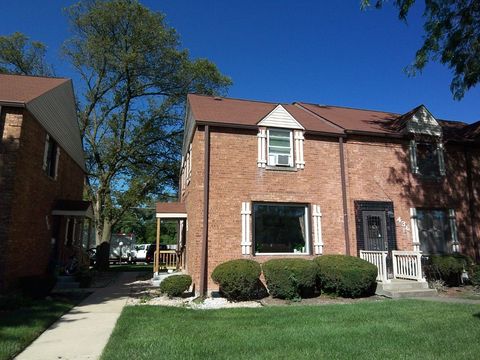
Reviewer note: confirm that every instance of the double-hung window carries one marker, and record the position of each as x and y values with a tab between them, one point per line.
436	231
427	159
280	149
280	228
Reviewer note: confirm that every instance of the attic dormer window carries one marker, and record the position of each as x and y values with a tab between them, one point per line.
280	150
427	159
280	141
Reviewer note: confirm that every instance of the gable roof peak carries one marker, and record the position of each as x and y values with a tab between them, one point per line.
280	117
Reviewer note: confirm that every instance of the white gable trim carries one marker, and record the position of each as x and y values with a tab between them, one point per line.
280	118
423	122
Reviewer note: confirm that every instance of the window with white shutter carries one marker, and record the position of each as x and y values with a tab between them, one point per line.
246	219
317	230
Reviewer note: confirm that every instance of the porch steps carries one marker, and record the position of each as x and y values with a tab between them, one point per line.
66	283
398	288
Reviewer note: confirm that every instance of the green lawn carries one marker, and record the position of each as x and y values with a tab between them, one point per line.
19	327
405	329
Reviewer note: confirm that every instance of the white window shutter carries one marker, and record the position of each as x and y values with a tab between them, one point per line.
441	159
299	140
262	147
45	152
57	159
413	220
453	229
189	163
317	230
246	242
413	156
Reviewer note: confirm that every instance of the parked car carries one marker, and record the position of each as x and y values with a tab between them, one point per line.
141	251
151	252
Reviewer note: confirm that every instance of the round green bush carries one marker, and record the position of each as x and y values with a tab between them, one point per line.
175	285
448	268
346	276
290	278
475	275
238	279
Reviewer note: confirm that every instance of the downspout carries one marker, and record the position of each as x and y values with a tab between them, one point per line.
344	197
206	186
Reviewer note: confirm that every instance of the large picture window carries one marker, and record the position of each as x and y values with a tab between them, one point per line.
435	231
280	147
280	228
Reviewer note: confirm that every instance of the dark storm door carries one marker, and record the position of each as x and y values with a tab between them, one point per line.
375	230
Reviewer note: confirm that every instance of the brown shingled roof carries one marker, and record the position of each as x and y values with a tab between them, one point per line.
228	111
317	118
23	89
170	208
355	119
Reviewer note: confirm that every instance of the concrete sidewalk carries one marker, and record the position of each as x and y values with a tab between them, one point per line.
83	332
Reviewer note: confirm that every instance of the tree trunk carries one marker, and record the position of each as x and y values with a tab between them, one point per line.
103	245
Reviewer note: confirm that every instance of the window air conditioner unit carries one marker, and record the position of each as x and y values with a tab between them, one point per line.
282	160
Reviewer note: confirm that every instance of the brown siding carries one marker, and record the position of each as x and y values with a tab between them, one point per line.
34	194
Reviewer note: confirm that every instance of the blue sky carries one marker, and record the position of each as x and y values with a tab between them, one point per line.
327	52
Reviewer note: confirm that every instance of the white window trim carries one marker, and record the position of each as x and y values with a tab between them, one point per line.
290	162
57	160
414	224
262	147
45	152
299	140
307	235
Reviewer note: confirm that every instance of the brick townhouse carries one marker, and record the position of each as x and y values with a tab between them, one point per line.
262	180
42	174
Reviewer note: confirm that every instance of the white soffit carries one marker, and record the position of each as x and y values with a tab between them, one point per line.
280	118
423	122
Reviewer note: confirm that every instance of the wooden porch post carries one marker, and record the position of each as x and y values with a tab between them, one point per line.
157	251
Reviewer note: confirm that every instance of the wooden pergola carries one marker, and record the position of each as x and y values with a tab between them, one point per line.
170	211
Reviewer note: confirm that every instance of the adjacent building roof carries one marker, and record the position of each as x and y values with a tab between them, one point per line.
328	119
73	208
52	102
174	210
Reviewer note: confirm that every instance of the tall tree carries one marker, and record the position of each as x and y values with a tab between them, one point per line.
452	36
19	55
136	79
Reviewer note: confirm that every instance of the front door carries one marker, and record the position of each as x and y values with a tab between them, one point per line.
375	230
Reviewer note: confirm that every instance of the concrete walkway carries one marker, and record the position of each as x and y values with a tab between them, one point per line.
83	332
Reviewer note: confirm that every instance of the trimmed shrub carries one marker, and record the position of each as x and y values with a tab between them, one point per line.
290	278
346	276
448	268
475	275
175	285
239	279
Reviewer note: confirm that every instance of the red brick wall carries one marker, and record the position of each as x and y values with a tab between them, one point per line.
376	170
34	195
380	171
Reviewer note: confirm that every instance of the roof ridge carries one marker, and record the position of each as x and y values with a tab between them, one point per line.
37	76
240	99
348	107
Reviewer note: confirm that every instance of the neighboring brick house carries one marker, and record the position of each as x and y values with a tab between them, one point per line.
304	180
41	176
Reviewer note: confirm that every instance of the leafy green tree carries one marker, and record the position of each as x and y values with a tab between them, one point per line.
452	36
136	79
19	55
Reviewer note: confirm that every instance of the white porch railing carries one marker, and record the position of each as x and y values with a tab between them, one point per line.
407	265
379	259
